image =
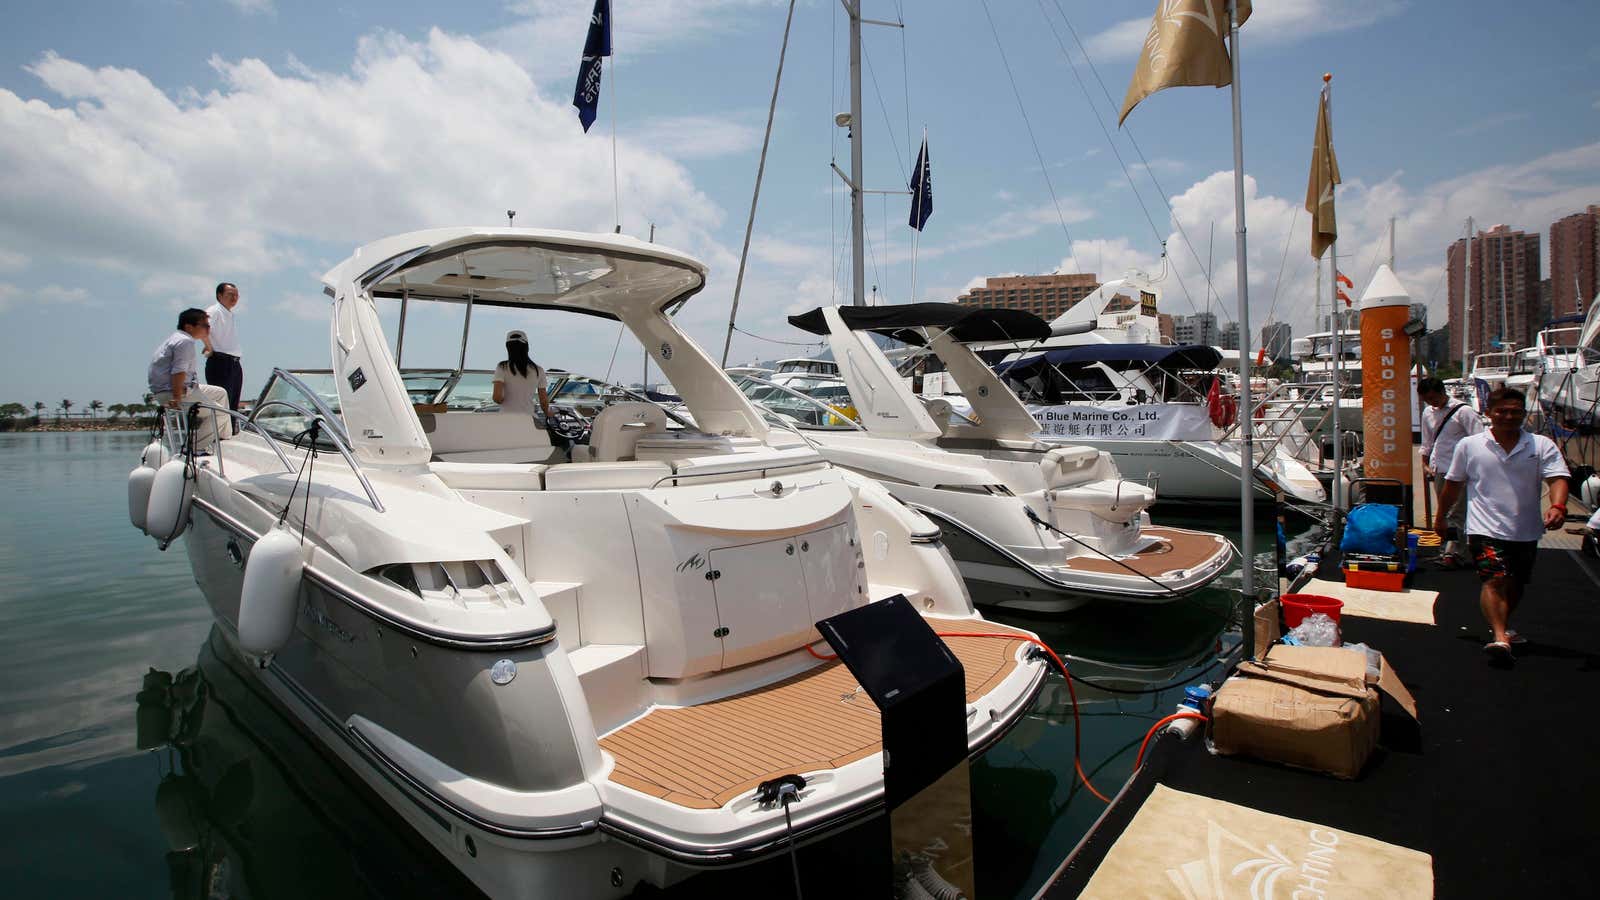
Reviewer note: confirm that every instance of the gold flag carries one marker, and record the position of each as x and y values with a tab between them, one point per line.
1319	189
1185	46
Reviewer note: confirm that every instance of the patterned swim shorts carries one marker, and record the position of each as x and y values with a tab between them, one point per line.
1495	557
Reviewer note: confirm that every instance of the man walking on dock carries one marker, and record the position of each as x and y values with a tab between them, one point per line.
1501	470
1444	424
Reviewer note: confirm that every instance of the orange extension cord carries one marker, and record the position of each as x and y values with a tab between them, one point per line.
1139	760
1077	726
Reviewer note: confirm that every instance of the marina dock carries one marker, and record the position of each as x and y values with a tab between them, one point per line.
1496	758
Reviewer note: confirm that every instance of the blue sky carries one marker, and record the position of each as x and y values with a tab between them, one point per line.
151	148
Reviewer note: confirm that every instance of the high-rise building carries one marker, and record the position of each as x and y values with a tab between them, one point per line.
1168	328
1575	262
1276	337
1230	336
1046	296
1200	328
1504	292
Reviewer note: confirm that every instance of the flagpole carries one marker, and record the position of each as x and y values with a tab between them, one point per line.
1246	409
616	192
916	237
1338	329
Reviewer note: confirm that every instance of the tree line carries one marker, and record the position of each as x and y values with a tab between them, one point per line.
13	414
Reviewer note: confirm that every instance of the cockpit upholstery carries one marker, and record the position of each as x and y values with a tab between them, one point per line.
619	426
486	437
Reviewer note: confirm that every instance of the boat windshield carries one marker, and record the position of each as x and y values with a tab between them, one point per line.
832	411
1322	347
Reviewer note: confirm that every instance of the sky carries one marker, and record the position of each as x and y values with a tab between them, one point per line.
151	148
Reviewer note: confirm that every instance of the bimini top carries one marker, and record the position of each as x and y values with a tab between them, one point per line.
596	274
1120	357
905	321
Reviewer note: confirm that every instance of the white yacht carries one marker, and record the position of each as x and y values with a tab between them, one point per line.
1569	387
801	372
569	677
1101	377
1035	525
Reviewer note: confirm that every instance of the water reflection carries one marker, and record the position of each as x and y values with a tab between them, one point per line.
249	807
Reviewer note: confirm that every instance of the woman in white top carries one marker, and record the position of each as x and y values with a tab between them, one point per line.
519	386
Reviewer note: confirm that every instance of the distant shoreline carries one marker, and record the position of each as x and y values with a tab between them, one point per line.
22	427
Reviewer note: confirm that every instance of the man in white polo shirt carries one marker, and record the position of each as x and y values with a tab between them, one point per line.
1501	470
1444	424
222	346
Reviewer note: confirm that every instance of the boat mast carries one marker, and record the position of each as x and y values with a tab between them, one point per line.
1466	305
858	270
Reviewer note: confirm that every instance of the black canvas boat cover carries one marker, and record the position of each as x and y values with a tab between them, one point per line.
1120	357
905	322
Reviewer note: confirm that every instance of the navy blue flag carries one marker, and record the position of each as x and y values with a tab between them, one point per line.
586	97
922	189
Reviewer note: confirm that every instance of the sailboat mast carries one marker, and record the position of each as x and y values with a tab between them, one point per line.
1466	306
858	270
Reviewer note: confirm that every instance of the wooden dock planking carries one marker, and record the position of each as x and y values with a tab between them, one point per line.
702	757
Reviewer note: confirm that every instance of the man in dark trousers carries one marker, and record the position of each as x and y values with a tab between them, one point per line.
1502	470
222	347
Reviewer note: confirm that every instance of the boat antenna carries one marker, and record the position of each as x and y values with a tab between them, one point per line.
511	217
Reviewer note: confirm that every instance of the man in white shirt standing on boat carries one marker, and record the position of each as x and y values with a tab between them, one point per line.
222	345
1444	424
174	377
1502	469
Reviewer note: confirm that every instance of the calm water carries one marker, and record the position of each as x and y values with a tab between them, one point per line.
137	762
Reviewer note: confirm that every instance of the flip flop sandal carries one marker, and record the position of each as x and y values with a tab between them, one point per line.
1514	638
1499	651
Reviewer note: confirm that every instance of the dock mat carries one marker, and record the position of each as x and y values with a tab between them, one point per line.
1394	606
1196	848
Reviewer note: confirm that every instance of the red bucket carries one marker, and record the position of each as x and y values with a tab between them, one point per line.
1297	606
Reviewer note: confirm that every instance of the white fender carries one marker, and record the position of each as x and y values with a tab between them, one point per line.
1589	491
170	494
153	455
139	482
271	594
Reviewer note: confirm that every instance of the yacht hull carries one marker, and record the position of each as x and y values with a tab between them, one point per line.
342	671
1205	471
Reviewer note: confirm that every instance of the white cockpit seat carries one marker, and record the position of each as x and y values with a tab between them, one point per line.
619	426
486	437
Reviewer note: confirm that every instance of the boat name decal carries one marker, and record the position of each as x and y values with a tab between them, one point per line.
319	617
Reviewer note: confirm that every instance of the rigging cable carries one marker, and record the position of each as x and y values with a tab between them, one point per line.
1118	154
1148	170
1043	169
761	168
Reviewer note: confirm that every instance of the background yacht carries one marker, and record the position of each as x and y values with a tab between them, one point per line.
1035	525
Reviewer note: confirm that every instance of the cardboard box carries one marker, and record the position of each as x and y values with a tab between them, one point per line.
1308	707
1268	627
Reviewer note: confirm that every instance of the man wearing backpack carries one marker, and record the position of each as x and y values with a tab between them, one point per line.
1444	424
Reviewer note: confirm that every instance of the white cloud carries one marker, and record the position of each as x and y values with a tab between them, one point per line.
697	136
254	7
236	180
12	262
543	26
1527	195
1271	24
55	293
303	305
